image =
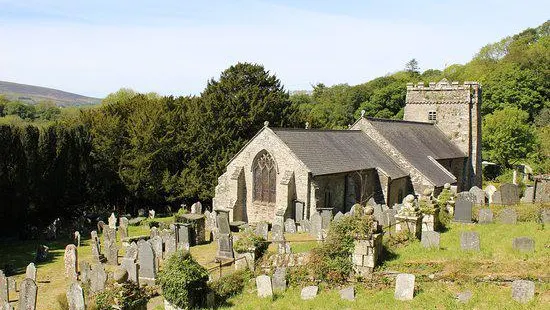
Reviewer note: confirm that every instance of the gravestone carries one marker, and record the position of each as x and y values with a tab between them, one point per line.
478	195
523	244
85	270
545	216
404	286
316	226
338	216
262	229
112	221
466	196
485	216
170	244
132	268
326	215
305	225
75	297
27	295
42	253
141	212
348	293
131	251
508	216
154	231
4	288
277	233
497	198
469	241
389	218
509	194
156	243
430	239
523	291
152	214
12	284
225	246
463	211
464	297
109	235
299	211
111	251
30	272
489	191
123	227
183	236
542	190
98	278
222	222
100	226
77	238
263	285
147	262
279	279
309	292
290	226
196	208
528	195
71	262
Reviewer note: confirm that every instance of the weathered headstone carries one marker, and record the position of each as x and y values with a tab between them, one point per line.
523	290
469	241
154	231
156	243
131	251
338	216
109	235
316	226
497	198
466	196
147	262
542	190
262	229
12	284
430	239
71	262
170	245
152	214
545	216
290	226
404	286
123	227
305	225
75	297
489	191
509	194
132	268
77	238
464	297
277	233
196	208
30	273
309	292
4	288
263	285
463	211
183	236
478	195
523	244
299	211
111	252
485	216
326	216
27	295
112	221
42	253
85	270
508	216
279	279
98	278
528	195
141	212
222	222
348	293
225	246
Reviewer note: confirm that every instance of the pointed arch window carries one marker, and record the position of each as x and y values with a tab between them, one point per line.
265	177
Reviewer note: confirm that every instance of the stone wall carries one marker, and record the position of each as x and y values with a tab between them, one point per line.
457	109
399	189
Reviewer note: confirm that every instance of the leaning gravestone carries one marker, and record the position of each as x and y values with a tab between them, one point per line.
404	286
290	226
509	194
98	278
225	246
27	295
523	290
485	216
524	244
262	229
316	226
463	211
508	216
430	239
4	290
147	262
279	279
71	262
469	241
75	297
263	285
309	292
156	243
30	273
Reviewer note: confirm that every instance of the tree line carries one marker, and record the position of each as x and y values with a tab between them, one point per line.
144	150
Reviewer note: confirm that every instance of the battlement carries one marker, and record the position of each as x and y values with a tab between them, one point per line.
442	92
441	85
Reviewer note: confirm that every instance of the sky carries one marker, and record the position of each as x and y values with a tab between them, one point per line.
96	47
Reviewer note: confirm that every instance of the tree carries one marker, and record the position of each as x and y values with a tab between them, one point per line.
412	67
507	136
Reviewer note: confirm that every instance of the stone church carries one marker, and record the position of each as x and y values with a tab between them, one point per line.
296	172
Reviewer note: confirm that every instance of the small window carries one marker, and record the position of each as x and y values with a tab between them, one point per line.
432	116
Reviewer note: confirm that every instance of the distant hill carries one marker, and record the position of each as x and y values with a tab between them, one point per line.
34	94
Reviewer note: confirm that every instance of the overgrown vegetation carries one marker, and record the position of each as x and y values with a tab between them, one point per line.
127	296
249	241
229	285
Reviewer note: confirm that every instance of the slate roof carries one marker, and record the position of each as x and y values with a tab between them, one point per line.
416	141
335	151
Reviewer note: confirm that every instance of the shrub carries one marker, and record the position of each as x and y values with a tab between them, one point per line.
154	224
183	281
249	241
426	208
230	285
127	296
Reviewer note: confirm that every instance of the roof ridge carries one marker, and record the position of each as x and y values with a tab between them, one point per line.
397	121
313	130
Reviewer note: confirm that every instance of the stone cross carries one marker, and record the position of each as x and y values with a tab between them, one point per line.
27	295
469	240
263	285
30	273
4	290
112	221
75	297
146	261
98	278
404	286
71	262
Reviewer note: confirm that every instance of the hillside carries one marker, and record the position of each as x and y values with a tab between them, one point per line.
34	94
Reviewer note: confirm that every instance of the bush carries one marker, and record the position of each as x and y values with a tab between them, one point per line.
183	281
248	240
127	296
230	285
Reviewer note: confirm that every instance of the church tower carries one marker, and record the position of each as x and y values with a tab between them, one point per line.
456	110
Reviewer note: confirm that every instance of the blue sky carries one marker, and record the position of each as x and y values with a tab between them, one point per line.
174	47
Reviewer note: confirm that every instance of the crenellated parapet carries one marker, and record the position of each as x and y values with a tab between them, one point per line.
442	92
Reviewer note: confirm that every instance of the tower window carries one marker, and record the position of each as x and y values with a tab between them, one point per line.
432	116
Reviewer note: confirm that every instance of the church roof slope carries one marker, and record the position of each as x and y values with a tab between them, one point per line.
335	151
417	142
